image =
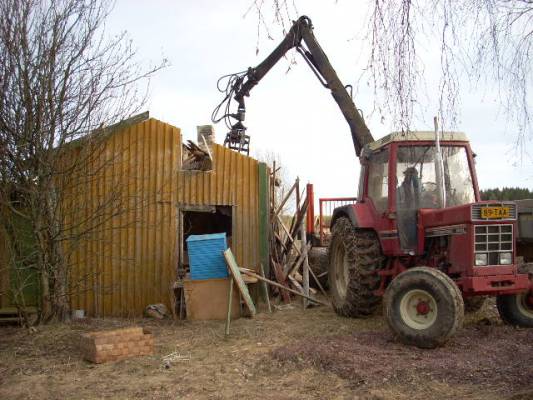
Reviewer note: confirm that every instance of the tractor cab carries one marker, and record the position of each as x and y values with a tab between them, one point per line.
405	174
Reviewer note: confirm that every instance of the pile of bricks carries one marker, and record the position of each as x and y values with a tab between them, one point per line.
103	346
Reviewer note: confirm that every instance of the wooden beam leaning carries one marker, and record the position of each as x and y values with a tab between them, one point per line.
236	274
280	277
318	282
284	287
290	269
305	268
289	236
287	196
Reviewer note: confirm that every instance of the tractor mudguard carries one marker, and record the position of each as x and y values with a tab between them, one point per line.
359	215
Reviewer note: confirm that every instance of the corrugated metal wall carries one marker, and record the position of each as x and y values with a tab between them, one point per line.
129	258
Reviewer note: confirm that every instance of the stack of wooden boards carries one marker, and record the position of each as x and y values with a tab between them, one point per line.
289	249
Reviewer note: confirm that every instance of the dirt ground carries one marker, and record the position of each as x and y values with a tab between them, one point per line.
290	354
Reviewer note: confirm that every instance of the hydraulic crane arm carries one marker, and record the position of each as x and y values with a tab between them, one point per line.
301	30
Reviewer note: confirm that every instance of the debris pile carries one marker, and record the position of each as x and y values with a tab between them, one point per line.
289	245
195	158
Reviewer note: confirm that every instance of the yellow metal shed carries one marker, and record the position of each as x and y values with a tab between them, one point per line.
129	257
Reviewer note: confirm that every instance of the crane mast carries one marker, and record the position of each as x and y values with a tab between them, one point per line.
241	85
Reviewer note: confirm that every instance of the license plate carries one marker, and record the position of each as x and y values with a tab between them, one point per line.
495	212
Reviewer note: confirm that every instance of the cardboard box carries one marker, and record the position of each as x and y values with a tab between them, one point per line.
208	299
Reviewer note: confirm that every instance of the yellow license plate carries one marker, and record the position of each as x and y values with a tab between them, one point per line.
495	212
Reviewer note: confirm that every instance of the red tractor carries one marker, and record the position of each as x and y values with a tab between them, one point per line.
418	235
427	261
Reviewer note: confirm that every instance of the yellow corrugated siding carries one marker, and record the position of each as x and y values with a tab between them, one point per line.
130	260
234	182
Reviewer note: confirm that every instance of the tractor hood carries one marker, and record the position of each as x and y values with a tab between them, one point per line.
483	211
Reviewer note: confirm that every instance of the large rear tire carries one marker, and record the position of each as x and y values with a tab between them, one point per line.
423	307
516	309
354	260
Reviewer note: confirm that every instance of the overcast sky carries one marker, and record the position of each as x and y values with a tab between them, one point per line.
290	113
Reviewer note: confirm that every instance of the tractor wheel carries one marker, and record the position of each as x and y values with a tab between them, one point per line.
516	309
319	261
474	304
354	259
423	307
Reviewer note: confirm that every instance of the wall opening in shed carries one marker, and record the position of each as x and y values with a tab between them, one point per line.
213	219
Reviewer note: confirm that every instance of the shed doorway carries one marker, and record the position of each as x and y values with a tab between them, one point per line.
202	220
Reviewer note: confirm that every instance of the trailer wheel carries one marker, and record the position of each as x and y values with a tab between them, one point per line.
474	304
423	307
354	260
516	309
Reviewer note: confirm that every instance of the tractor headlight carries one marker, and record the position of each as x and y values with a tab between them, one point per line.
481	259
506	258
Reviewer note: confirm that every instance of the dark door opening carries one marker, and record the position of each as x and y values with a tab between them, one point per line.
212	219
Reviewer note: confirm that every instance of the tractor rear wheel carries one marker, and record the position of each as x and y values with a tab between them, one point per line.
354	260
423	307
516	309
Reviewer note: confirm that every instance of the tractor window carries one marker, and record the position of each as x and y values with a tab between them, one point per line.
457	177
378	179
417	182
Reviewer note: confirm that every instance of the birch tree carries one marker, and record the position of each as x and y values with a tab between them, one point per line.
63	79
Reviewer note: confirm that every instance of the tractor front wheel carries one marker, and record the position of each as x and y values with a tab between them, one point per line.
516	309
423	307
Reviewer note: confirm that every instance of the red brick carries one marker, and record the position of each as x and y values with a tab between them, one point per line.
99	347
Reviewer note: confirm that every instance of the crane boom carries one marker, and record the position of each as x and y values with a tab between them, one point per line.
301	30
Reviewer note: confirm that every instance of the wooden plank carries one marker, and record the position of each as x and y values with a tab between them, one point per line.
228	318
265	288
236	274
305	268
289	236
248	272
290	269
318	282
296	284
280	277
280	207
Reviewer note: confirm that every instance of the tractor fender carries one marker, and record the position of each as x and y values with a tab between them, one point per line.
359	215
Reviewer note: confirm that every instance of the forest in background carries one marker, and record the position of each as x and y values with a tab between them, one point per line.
506	193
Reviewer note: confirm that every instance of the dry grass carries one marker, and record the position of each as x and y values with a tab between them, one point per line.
47	364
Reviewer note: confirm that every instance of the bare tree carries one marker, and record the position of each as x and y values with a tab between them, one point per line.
486	41
283	181
63	80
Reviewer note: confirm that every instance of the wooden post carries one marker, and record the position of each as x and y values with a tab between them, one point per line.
230	298
305	269
265	288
